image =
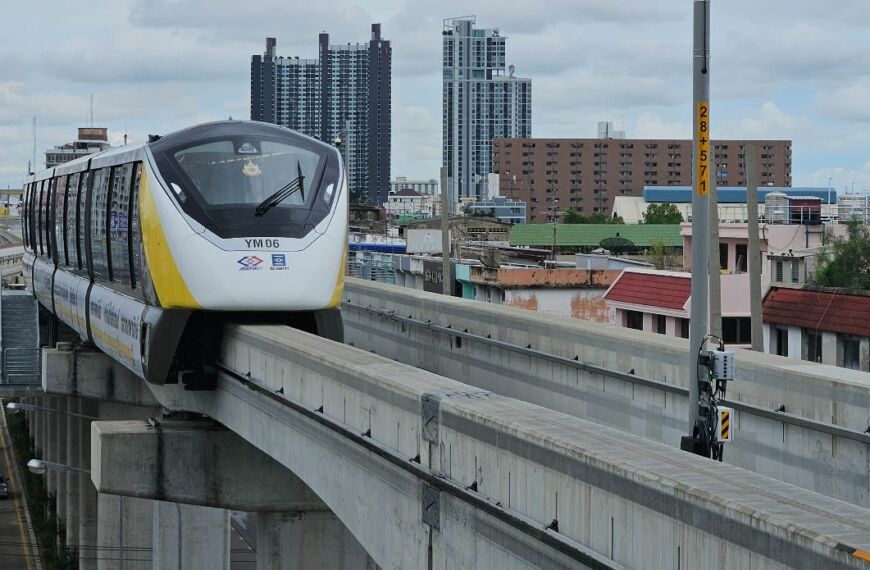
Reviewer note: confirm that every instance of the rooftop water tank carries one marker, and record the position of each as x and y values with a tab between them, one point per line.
853	207
776	208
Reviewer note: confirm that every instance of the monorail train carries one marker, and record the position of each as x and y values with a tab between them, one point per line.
146	250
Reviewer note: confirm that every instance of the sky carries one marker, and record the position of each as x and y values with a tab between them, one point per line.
781	69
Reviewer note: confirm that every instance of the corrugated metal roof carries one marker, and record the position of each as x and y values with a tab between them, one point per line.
590	235
822	310
731	194
662	291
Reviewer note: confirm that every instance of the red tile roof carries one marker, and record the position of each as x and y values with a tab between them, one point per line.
826	311
663	291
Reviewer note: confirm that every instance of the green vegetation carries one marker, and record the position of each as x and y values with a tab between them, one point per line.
660	254
42	506
846	263
572	216
664	213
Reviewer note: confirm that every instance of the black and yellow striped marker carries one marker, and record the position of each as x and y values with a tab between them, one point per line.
724	424
863	555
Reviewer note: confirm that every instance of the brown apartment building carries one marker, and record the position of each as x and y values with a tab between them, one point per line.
588	174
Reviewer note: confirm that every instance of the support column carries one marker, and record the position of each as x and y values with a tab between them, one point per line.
307	540
31	417
50	446
73	433
87	519
38	425
124	529
186	536
124	524
60	436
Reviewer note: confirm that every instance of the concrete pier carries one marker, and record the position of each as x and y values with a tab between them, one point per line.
186	536
60	477
124	533
87	518
73	436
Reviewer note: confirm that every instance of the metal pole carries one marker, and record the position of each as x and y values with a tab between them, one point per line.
700	191
830	214
715	304
445	234
754	250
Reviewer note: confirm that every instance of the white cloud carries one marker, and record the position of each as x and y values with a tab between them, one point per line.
841	178
850	103
769	122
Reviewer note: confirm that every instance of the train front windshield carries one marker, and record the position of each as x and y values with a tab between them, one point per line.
246	171
249	179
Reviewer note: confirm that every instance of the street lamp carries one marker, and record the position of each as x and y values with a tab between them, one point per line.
16	407
830	215
39	467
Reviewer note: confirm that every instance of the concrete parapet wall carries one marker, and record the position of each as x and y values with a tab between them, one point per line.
822	462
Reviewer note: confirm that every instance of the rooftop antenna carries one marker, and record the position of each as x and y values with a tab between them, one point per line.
34	142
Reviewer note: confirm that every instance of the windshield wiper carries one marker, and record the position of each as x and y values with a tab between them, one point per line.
295	185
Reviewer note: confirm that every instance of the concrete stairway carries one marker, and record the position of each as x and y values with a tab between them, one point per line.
19	338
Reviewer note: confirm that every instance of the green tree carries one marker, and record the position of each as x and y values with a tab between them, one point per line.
572	216
846	263
664	213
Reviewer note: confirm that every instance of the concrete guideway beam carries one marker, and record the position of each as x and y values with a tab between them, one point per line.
640	503
309	540
192	462
530	356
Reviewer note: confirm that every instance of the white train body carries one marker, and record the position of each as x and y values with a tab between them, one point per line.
144	249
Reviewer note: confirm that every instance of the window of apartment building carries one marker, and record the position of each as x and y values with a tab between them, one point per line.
795	271
684	328
812	345
779	271
634	320
737	330
851	349
661	324
723	256
781	336
741	257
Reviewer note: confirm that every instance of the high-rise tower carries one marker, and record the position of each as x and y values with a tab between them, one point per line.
481	101
345	93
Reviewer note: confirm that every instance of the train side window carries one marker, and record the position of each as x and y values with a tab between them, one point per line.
82	219
119	224
135	266
60	220
31	217
47	228
25	227
70	230
97	223
49	217
99	201
39	219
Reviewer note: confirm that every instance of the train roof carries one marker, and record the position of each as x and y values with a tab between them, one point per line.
136	151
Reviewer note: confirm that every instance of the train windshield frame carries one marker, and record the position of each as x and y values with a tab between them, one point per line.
219	175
